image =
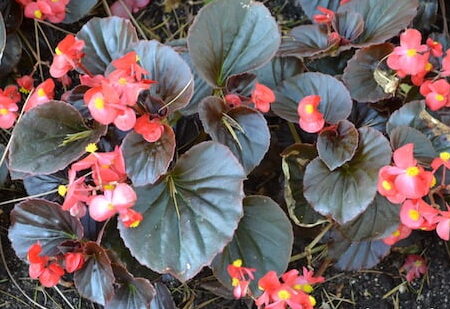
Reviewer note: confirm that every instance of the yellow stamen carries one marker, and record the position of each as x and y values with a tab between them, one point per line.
41	93
412	171
428	67
396	233
38	14
411	52
135	223
284	295
109	187
4	111
309	108
91	148
62	190
307	288
445	156
99	103
413	214
235	282
439	97
110	206
122	81
137	58
433	182
58	51
386	185
23	90
312	300
237	263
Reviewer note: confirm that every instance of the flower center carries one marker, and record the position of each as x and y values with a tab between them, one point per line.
440	97
413	214
307	288
234	282
396	233
58	51
445	156
122	81
91	148
41	93
309	108
4	111
99	103
433	182
411	52
412	171
237	263
38	14
110	206
386	185
428	67
135	223
62	190
284	295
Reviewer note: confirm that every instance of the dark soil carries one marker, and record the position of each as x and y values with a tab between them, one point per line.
363	289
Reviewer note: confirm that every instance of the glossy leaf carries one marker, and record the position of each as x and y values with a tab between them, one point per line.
145	162
249	38
37	220
44	183
426	15
414	115
360	71
189	216
383	19
242	129
295	160
163	64
75	10
352	256
37	145
337	146
241	84
306	41
379	220
95	280
349	25
11	54
335	104
133	293
106	39
348	190
277	70
310	6
163	298
2	36
3	168
363	115
263	229
423	148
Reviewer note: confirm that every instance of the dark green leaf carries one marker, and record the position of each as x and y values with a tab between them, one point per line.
331	65
295	159
2	36
359	74
349	25
414	115
379	220
426	15
37	143
423	148
189	216
241	84
11	54
337	146
163	65
383	19
348	190
106	39
365	116
306	41
145	162
133	293
95	280
163	298
12	13
262	241
45	183
335	105
243	41
38	220
277	70
76	10
250	137
3	168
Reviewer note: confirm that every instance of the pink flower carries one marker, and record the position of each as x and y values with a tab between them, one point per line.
26	83
302	282
233	100
76	194
52	10
446	64
48	273
436	93
400	233
130	218
444	159
407	57
150	129
262	96
435	47
74	261
416	213
8	112
418	78
311	119
133	6
240	278
415	266
443	225
68	56
42	94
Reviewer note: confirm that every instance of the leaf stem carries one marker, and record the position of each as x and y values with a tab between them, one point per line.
28	197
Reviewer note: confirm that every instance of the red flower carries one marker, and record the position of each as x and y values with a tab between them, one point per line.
240	278
74	261
416	214
133	6
68	56
8	112
130	218
53	10
444	159
446	64
443	225
48	275
325	18
407	57
311	119
436	93
302	282
418	78
344	2
42	94
262	96
150	129
233	100
76	194
400	233
12	93
26	83
435	48
415	266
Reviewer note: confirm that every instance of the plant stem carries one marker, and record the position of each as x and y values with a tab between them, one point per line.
294	133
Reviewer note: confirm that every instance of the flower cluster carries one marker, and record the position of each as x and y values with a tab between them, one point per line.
109	195
49	269
407	183
52	10
68	55
417	60
291	291
111	98
8	106
261	97
311	119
